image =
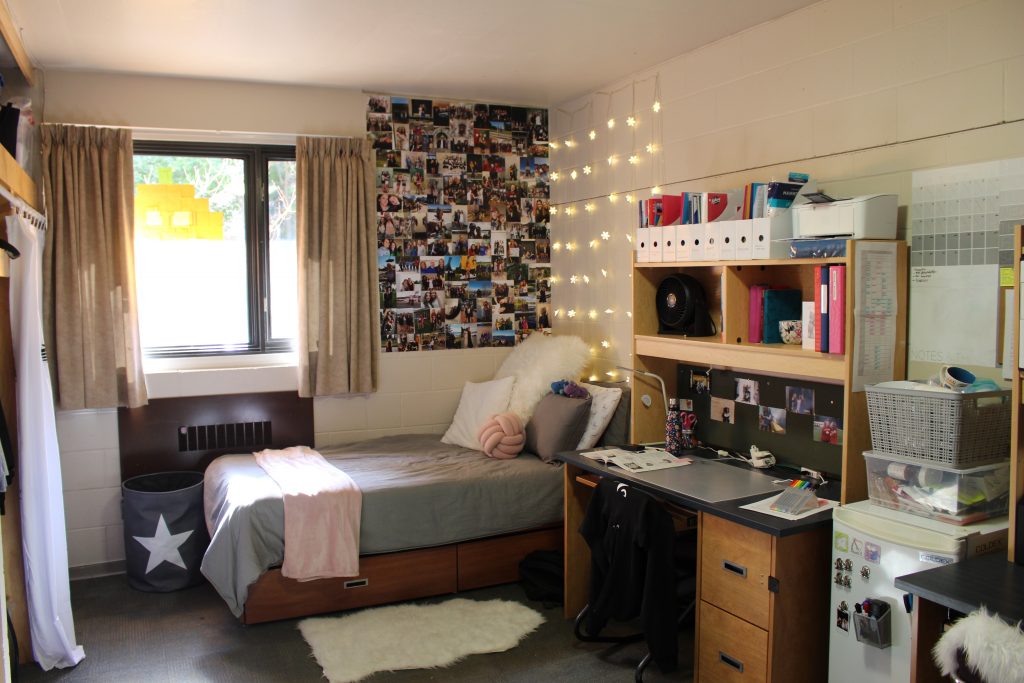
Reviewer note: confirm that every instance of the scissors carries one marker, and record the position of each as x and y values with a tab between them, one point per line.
689	421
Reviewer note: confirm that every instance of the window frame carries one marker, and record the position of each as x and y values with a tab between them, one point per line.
256	162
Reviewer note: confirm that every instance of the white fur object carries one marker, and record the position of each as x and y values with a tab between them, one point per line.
993	648
410	636
536	363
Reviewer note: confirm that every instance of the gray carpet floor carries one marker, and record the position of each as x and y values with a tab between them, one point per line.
189	636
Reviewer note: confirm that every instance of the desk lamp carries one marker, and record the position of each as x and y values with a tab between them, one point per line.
645	399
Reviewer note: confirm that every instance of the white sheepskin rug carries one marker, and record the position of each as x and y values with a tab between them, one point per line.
407	636
993	648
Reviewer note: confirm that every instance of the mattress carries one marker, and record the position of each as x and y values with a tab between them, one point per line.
417	492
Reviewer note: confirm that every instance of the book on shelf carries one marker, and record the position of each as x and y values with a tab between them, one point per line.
821	309
755	322
808	326
837	309
750	199
723	206
692	208
665	210
780	304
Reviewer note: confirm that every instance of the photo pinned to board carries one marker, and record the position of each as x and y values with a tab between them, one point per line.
828	430
771	419
700	382
723	410
800	400
748	391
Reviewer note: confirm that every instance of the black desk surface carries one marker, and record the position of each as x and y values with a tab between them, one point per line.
729	509
990	581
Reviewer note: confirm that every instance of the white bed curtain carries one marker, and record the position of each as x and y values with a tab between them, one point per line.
44	540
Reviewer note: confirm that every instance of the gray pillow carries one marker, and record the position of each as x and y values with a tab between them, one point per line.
617	431
557	425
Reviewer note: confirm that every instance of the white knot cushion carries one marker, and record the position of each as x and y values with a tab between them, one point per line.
502	436
994	649
540	360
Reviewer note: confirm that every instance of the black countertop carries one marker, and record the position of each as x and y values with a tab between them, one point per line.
989	581
729	509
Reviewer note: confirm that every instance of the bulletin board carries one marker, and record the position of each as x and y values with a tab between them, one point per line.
464	252
800	422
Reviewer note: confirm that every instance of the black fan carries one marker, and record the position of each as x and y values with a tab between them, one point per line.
683	308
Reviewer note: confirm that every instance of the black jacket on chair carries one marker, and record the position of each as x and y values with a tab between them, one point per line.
631	573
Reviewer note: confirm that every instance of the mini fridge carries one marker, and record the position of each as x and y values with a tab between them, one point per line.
870	621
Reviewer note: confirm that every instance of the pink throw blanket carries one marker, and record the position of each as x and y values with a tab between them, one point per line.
322	508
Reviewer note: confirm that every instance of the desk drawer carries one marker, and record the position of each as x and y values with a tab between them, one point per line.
734	568
730	649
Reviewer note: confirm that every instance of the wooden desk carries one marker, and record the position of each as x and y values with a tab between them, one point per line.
990	581
762	582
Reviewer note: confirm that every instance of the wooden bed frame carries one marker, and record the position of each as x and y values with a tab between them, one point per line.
188	433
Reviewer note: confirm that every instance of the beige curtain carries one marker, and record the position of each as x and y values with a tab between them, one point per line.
339	307
90	315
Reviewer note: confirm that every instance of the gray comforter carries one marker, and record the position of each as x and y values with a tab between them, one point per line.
417	492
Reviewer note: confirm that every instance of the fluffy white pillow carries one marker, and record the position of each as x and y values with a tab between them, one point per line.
536	363
602	406
477	404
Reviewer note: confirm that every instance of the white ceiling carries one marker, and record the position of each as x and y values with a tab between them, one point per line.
519	51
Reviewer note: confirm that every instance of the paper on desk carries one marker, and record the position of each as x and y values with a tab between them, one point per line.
875	311
648	460
765	506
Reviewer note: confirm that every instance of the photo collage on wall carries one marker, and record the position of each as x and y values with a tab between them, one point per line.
463	246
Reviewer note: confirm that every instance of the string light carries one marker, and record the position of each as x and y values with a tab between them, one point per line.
604	343
651	148
592	314
572	174
604	272
608	311
554	176
610	373
572	280
592	134
634	159
588	207
586	170
558	312
570	143
611	123
569	246
630	121
629	314
554	210
629	238
656	189
605	235
571	313
629	199
553	145
570	210
612	197
586	279
593	378
656	106
556	246
612	160
593	244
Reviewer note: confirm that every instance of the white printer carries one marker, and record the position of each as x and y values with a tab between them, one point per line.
871	216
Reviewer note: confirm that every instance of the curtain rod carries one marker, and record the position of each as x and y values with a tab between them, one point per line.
22	207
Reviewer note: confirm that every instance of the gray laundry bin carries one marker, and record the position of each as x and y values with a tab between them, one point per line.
164	530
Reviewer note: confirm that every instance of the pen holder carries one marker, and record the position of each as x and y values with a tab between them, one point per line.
687	439
874	631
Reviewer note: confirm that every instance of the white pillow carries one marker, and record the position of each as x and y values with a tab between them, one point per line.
477	404
536	363
602	406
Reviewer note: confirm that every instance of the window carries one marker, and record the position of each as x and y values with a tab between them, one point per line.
215	259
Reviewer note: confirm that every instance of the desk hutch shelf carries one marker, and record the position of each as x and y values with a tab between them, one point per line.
727	285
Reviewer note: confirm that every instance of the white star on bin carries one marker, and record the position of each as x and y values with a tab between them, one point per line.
163	546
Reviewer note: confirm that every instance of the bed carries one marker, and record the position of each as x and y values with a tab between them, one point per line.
436	518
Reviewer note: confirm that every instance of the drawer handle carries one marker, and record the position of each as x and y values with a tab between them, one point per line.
357	583
737	569
730	661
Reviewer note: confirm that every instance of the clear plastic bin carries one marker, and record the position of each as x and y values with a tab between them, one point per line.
941	492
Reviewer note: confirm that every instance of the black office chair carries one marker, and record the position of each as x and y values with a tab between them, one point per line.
639	568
